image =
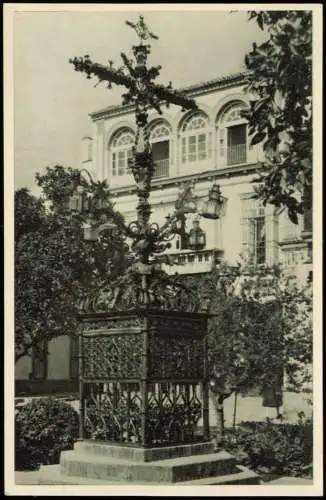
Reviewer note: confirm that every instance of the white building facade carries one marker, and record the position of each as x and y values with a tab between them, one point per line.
210	145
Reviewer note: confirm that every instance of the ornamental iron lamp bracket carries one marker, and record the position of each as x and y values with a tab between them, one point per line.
148	239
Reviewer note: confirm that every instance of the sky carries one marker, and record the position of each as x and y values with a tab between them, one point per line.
52	102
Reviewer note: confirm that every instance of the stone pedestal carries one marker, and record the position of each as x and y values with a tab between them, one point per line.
98	463
143	380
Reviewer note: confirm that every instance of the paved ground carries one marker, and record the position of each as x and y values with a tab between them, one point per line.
250	408
30	478
294	481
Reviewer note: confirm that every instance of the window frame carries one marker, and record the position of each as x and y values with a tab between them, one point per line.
253	214
191	150
253	211
226	123
165	137
120	153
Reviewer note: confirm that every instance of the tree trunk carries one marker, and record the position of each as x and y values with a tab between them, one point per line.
218	399
235	410
220	419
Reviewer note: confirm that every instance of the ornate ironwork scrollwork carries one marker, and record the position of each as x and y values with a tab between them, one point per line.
174	410
112	356
175	356
113	412
163	292
115	322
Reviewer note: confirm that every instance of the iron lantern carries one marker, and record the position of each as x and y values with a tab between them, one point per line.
190	207
76	201
196	237
91	233
80	201
214	207
179	225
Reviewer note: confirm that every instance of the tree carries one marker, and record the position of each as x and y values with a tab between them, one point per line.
260	328
279	77
29	213
55	269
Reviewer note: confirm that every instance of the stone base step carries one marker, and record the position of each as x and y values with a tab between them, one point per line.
241	476
139	454
51	474
168	471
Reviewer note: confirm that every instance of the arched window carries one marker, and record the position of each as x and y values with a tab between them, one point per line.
233	135
161	149
87	151
194	139
121	149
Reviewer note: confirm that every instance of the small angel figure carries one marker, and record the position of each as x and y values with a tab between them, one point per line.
141	29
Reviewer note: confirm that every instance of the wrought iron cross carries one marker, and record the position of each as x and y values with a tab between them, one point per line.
143	94
142	30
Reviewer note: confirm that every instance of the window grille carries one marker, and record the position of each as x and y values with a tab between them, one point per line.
260	233
233	136
237	144
161	151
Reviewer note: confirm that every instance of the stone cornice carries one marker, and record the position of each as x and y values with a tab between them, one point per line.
192	91
293	243
221	173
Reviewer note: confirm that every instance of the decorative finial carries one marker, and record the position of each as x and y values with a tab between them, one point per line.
142	30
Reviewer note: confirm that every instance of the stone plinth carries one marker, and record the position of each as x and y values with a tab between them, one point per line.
139	454
184	464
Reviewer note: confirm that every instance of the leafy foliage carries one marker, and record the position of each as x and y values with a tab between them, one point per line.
44	427
29	212
280	116
257	314
261	314
54	267
274	448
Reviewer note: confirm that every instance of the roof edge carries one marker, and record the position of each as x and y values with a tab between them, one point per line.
196	89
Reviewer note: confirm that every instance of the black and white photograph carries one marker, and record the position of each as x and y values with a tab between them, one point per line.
163	272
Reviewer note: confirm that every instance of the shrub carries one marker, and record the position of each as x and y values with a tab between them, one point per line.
274	448
44	427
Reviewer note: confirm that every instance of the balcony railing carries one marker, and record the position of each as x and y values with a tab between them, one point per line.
192	262
236	154
161	168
